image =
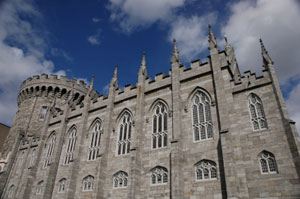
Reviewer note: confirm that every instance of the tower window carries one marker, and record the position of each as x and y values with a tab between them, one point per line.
88	183
257	112
39	188
267	163
49	150
70	146
43	113
95	138
62	185
120	179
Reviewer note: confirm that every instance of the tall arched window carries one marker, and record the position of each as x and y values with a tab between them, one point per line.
88	183
124	137
159	175
40	187
257	112
120	179
160	126
267	162
11	191
62	185
32	158
21	161
70	146
205	170
49	149
95	137
201	115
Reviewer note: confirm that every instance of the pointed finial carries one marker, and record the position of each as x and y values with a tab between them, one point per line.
266	57
116	71
175	53
143	65
212	39
226	40
92	82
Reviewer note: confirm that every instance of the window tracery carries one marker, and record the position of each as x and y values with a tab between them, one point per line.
120	179
267	162
160	126
62	185
201	117
205	170
70	147
94	148
11	191
257	112
124	137
39	188
49	149
88	183
159	175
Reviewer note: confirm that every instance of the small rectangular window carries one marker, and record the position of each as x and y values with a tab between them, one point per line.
43	113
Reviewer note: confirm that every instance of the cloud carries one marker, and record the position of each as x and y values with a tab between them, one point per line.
95	39
293	105
96	20
22	52
135	14
60	53
191	34
277	23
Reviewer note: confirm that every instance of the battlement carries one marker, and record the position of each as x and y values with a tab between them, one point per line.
53	86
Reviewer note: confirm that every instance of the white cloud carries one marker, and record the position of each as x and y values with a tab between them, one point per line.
21	53
191	34
96	20
277	23
95	39
135	14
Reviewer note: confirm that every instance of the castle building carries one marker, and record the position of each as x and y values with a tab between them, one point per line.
206	131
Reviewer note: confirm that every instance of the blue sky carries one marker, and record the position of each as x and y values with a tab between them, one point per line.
84	38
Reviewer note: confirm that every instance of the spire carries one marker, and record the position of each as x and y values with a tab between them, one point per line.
114	80
231	59
266	57
92	82
175	53
143	70
212	39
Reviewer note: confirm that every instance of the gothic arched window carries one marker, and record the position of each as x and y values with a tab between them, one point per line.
62	185
160	126
88	183
205	170
49	149
70	146
257	112
124	137
159	175
21	160
120	179
267	162
11	191
201	114
39	188
32	158
95	138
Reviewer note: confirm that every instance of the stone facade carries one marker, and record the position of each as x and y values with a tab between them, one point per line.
206	131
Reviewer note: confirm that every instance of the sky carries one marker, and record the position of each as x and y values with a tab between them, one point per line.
84	38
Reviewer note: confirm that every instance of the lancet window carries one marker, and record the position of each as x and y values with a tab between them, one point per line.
43	113
95	138
205	170
257	112
32	158
70	146
21	160
201	114
49	150
124	137
160	126
120	179
88	183
11	191
39	188
159	175
267	162
62	185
